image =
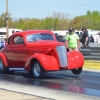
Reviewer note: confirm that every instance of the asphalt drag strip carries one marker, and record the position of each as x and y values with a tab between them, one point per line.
44	92
59	86
56	85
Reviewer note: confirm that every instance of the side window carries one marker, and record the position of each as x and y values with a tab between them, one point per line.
21	40
18	40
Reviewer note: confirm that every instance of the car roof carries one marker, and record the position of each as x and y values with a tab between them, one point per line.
32	32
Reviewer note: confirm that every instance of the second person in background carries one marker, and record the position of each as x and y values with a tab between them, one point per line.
85	37
72	40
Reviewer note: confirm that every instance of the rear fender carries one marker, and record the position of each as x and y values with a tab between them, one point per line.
3	58
47	62
75	59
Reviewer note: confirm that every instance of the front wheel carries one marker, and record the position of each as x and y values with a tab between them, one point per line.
76	71
3	69
37	70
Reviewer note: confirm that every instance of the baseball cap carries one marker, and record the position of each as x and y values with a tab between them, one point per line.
71	29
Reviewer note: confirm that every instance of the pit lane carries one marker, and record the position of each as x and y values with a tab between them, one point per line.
87	83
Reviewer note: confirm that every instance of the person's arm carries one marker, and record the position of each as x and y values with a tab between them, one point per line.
86	40
66	43
78	42
67	37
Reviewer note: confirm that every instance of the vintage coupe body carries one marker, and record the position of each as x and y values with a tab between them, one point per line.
38	51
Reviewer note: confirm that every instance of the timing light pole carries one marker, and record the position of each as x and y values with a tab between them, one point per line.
7	20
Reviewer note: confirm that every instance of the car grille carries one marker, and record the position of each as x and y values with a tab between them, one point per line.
62	55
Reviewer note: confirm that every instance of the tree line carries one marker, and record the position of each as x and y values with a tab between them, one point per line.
58	21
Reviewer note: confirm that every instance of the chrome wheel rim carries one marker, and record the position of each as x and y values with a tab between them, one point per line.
36	70
1	65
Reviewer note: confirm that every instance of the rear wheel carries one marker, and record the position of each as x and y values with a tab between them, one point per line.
76	71
3	69
37	70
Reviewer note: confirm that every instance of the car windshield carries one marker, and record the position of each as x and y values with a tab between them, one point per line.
40	36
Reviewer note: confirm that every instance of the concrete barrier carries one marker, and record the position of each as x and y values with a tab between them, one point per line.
91	53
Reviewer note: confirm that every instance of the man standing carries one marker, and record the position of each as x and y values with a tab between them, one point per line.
89	38
72	40
85	37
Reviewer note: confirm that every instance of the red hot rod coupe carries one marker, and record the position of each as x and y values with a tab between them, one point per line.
38	51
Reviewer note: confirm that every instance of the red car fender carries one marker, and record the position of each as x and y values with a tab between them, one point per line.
3	58
46	61
75	59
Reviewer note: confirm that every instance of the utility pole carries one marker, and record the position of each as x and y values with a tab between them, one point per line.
27	24
7	20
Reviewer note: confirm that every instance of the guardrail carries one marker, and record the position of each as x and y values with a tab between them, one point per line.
91	53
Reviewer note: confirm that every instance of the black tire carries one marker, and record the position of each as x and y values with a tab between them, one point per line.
76	71
37	70
3	69
11	72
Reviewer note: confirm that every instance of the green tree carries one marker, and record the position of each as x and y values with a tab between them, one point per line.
58	21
